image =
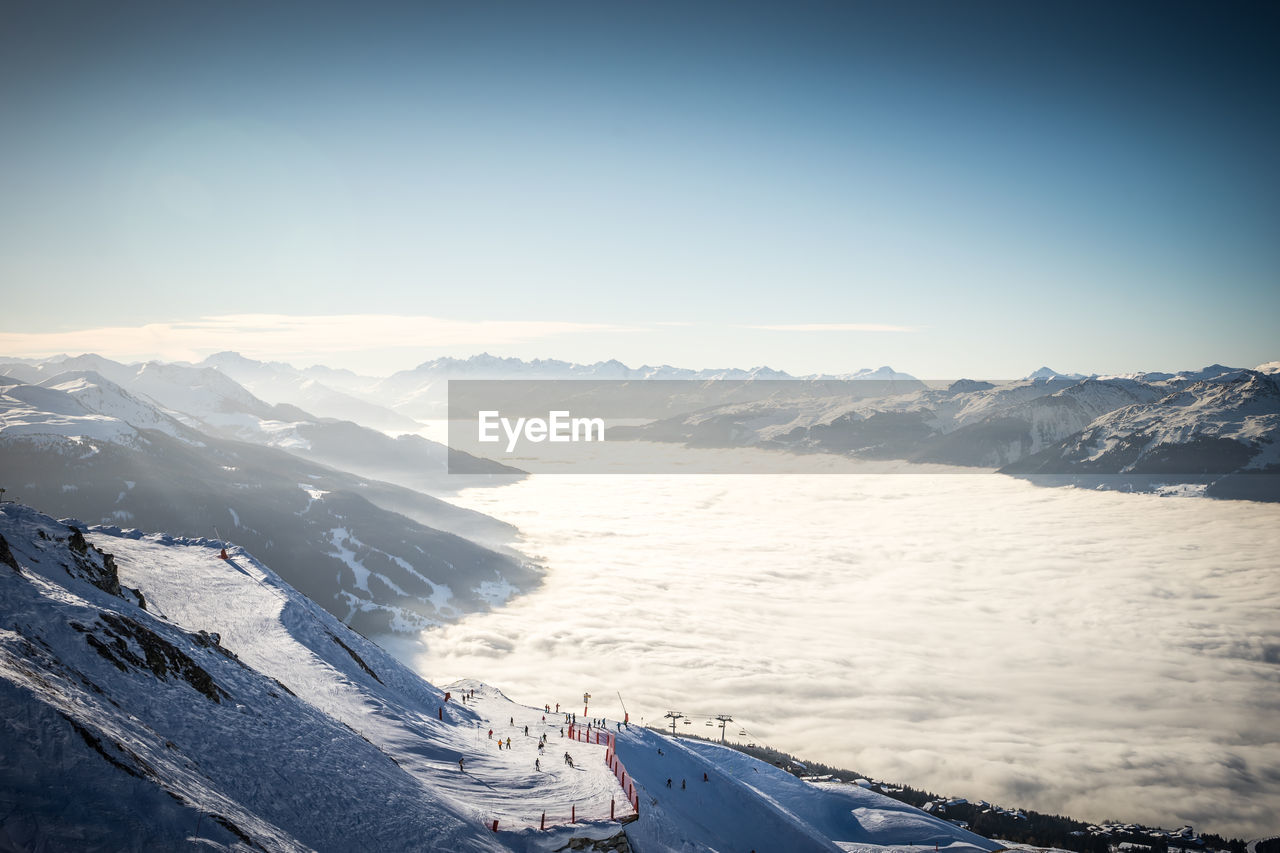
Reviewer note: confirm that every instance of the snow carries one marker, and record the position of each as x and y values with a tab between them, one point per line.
1239	405
302	746
28	410
746	800
81	406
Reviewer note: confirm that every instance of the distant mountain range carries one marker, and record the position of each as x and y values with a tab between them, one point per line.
154	424
421	392
1215	428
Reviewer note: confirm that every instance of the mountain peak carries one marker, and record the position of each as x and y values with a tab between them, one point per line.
1050	373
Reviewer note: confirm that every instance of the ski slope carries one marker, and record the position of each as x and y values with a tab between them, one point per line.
746	804
283	635
163	697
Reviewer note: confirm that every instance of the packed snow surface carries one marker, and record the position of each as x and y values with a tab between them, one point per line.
232	710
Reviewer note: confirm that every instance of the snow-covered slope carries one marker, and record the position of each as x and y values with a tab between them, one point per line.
745	804
230	708
154	696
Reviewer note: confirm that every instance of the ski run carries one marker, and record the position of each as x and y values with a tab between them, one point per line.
170	699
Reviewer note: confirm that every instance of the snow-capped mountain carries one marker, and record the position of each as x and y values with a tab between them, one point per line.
154	696
1226	424
1050	373
208	401
1215	421
338	537
203	399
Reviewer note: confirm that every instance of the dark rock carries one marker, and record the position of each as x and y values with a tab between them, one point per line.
6	556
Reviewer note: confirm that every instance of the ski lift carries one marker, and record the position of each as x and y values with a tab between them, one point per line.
708	722
742	732
688	722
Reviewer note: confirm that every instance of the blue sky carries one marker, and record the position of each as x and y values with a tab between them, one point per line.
950	188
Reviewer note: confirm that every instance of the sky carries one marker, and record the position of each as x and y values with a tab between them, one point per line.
953	189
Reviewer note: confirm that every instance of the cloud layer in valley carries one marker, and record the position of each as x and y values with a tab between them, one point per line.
1097	654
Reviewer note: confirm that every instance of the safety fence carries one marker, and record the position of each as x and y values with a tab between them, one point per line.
616	812
591	734
627	782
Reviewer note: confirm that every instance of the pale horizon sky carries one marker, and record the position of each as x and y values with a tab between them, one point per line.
341	341
951	189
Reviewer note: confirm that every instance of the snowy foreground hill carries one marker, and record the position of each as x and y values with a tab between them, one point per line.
154	696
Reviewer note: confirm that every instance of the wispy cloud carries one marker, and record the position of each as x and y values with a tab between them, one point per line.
286	335
834	327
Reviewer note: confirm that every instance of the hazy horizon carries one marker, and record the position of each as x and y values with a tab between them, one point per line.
380	367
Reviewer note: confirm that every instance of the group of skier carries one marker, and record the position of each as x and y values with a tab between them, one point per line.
569	718
683	786
542	739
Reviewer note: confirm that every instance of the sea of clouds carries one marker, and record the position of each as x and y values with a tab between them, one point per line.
1097	654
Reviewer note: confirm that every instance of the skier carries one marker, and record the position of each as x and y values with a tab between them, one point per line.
668	783
526	731
461	769
704	778
537	764
490	734
682	787
508	743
